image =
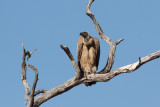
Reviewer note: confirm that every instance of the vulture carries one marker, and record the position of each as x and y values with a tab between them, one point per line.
88	53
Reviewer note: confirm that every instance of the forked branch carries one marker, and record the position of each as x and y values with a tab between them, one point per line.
112	44
24	80
31	101
29	94
97	26
76	67
92	78
76	80
39	91
125	69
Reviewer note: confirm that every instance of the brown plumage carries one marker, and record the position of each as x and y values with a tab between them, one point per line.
88	53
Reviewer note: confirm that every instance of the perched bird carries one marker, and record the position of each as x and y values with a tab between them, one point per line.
88	53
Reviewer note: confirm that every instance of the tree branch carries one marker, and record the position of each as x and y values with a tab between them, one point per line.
112	44
24	80
31	101
97	26
64	87
125	69
39	91
119	41
29	54
29	96
57	91
76	67
93	78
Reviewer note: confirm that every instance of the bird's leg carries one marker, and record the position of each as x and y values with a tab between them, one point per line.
85	75
94	70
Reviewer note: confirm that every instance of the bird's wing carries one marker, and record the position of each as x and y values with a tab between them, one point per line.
79	49
96	41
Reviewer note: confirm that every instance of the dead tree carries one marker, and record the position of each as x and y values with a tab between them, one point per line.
103	75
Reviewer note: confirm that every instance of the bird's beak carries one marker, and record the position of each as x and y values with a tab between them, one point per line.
84	34
81	33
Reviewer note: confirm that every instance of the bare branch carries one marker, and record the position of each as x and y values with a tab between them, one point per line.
31	101
97	26
39	91
28	96
33	51
64	87
110	60
57	91
125	69
111	57
112	44
76	67
24	81
88	11
29	54
119	41
93	77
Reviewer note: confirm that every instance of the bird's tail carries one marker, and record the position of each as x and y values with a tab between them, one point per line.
89	83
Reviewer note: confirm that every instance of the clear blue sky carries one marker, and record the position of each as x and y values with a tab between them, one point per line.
46	24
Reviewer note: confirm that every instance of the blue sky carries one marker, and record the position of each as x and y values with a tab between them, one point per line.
46	24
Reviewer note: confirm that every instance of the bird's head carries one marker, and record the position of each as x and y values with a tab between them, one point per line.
86	37
85	34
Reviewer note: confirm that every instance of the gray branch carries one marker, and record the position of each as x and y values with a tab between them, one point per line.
125	69
24	79
64	87
76	67
29	94
93	78
97	26
31	100
112	44
57	91
40	91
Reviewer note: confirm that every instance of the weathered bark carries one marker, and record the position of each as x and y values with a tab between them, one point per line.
29	96
39	91
125	69
93	77
31	101
57	91
24	80
112	44
75	65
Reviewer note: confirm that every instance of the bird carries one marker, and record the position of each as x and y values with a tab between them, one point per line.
88	54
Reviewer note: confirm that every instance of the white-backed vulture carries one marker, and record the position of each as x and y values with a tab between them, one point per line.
88	53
